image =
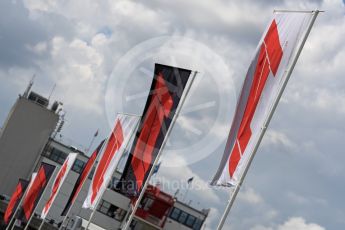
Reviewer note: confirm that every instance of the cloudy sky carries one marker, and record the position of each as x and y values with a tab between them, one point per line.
101	54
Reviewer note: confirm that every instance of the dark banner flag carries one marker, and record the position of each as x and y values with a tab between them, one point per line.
81	179
166	90
35	191
15	200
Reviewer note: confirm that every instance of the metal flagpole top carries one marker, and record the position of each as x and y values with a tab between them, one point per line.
297	11
129	114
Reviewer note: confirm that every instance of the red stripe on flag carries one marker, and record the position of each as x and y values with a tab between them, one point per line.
85	173
269	58
18	193
160	108
81	179
114	143
36	188
56	185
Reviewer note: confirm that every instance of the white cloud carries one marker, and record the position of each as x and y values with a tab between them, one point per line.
320	83
39	48
305	200
212	219
41	5
298	223
260	227
76	68
294	223
273	137
250	196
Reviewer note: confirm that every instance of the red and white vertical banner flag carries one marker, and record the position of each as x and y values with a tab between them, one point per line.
59	179
167	88
15	200
264	81
108	160
82	178
20	214
35	191
28	190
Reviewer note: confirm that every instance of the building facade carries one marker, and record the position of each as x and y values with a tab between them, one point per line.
158	210
23	137
26	142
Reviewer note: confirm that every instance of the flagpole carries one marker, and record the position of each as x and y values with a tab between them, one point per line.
159	153
93	211
39	201
41	225
263	129
57	192
21	202
97	203
15	212
70	208
108	180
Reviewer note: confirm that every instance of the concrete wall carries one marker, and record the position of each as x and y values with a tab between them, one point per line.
23	137
171	224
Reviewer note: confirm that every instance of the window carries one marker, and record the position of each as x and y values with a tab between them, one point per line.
57	156
197	224
111	210
190	221
175	213
146	203
185	219
182	217
104	207
78	166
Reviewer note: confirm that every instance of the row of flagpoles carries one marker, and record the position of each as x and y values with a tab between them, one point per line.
267	76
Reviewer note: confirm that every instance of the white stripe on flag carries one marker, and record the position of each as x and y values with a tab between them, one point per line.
108	160
59	179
